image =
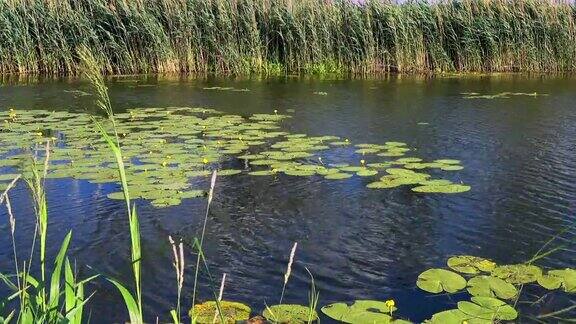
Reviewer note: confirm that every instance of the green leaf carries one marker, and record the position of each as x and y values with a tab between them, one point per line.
456	316
360	312
231	312
439	280
568	279
491	287
287	313
550	282
130	302
470	264
449	188
518	273
56	275
488	308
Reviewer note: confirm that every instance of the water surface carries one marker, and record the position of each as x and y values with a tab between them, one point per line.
518	153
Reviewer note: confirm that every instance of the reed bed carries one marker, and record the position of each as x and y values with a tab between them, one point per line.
287	36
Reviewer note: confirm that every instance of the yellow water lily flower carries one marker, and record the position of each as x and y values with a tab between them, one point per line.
390	303
164	163
362	162
205	160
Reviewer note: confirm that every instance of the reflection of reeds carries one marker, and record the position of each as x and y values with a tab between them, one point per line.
316	36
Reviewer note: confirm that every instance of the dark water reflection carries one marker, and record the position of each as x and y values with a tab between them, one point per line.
518	153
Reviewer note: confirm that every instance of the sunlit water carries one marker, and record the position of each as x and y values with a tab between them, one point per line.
518	153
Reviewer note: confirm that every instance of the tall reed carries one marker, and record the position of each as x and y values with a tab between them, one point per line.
282	36
43	299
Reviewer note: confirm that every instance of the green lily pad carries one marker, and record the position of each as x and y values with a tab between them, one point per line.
360	312
231	312
166	202
488	308
366	173
452	168
456	316
116	195
7	177
447	161
518	273
489	286
287	313
262	173
470	264
450	188
301	173
228	172
559	278
440	280
337	176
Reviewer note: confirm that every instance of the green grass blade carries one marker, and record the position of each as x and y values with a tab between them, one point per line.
56	275
130	302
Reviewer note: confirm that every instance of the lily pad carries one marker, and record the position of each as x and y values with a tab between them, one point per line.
488	308
456	316
556	278
287	313
337	176
231	312
489	286
470	264
360	312
518	273
440	280
450	188
366	173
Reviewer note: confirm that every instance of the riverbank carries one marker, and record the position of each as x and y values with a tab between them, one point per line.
287	37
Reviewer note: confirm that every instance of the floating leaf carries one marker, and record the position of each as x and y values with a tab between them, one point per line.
518	273
360	312
550	282
488	308
262	173
456	316
231	312
301	173
338	176
287	313
452	168
439	280
450	188
470	264
116	195
366	173
568	279
491	287
229	172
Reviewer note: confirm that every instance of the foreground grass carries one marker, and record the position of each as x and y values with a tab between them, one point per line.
285	36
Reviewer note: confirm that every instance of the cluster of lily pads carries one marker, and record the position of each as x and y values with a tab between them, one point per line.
492	288
167	149
359	312
501	95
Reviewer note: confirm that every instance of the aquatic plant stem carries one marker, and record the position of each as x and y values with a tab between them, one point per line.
201	242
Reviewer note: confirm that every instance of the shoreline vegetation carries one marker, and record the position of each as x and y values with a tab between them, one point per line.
243	37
